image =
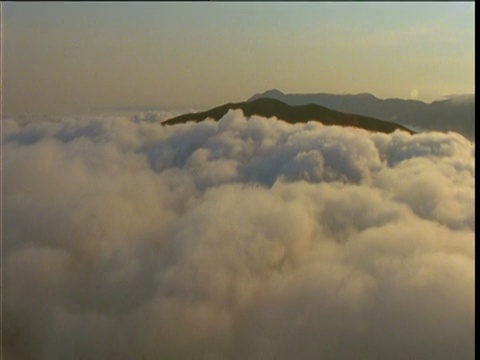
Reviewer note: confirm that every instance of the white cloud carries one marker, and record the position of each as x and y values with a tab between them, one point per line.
238	239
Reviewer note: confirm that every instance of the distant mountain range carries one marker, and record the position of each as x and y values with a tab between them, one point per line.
299	113
456	113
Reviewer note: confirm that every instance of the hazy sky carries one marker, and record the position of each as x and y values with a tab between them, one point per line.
74	57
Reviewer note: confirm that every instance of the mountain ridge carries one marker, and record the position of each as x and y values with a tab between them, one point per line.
454	113
268	107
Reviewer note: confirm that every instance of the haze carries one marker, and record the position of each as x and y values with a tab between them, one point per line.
77	57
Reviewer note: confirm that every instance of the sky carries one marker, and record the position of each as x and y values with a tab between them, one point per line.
78	57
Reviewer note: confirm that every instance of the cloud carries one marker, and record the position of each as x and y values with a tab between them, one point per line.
238	239
157	115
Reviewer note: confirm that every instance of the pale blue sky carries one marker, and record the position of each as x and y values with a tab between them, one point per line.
74	57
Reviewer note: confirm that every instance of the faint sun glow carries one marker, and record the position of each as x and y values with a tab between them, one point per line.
414	93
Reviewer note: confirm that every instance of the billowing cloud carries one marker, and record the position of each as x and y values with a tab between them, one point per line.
241	239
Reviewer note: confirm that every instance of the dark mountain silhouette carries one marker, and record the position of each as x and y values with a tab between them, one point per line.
456	113
268	107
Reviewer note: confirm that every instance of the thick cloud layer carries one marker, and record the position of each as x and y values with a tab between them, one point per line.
240	239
